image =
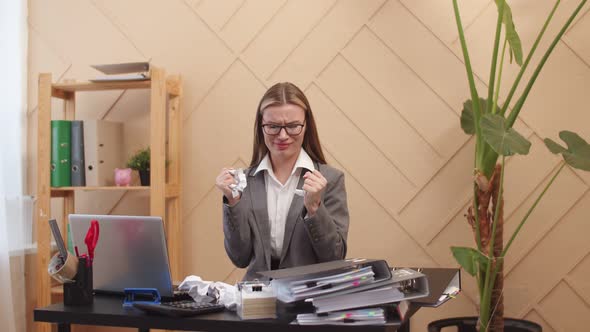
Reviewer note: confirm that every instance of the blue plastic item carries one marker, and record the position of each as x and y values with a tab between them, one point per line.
130	294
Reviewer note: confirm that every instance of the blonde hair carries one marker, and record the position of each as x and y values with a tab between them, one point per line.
282	94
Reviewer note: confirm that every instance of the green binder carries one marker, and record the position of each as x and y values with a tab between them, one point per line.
60	153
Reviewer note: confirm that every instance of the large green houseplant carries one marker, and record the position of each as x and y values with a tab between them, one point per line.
491	121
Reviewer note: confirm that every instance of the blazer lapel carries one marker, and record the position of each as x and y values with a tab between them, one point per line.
293	216
259	205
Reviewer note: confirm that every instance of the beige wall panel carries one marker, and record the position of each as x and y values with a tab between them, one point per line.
535	317
327	39
216	13
42	58
558	101
373	232
439	17
222	123
523	173
248	21
456	233
441	198
132	203
577	38
133	110
363	160
167	45
575	317
79	32
422	109
559	199
432	60
203	241
283	33
403	146
529	16
85	37
564	246
578	279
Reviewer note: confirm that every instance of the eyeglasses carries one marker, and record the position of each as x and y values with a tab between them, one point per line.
292	129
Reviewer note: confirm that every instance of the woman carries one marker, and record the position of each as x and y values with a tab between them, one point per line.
293	210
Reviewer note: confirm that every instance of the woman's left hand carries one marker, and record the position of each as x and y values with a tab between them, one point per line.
314	185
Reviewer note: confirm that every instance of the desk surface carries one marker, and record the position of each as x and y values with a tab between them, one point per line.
108	311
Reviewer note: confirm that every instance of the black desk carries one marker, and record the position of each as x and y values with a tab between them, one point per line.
109	311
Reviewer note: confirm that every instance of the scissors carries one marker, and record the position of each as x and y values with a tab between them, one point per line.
91	239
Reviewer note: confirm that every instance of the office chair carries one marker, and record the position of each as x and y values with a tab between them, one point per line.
468	324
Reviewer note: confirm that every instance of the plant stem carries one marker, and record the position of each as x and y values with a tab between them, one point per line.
516	110
495	55
528	59
491	277
472	88
497	89
531	210
476	206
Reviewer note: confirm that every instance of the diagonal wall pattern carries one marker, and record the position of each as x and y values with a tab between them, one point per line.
386	81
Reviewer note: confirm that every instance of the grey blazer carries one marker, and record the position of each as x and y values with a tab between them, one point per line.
307	241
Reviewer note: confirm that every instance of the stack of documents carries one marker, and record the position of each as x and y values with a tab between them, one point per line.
404	284
131	71
372	316
256	301
355	286
308	288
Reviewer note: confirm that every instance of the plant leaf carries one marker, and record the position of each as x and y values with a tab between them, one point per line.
467	117
577	154
505	141
554	147
511	34
469	259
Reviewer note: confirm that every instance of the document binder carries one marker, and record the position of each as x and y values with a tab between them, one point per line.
78	168
60	153
371	316
405	284
288	281
103	151
444	287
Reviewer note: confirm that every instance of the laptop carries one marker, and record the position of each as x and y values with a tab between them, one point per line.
130	253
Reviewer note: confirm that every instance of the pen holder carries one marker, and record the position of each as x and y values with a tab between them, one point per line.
80	292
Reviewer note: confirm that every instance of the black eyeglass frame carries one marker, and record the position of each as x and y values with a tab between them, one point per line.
286	127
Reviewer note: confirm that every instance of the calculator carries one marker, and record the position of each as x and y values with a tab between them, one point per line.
183	308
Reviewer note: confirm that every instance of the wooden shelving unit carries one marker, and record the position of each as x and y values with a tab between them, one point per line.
165	146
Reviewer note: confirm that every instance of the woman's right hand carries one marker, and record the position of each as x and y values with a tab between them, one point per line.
223	181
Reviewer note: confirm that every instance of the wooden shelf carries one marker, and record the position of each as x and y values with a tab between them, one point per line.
98	86
165	93
100	188
63	191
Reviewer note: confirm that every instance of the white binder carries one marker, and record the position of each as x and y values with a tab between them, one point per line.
103	143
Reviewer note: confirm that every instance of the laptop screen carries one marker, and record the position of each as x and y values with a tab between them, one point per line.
130	253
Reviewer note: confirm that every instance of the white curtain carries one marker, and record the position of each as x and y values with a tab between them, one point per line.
13	59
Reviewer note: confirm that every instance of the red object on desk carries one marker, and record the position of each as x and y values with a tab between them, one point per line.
91	239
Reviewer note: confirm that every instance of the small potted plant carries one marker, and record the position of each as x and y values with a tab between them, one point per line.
140	161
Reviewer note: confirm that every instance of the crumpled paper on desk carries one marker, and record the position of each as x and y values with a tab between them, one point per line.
240	184
208	291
